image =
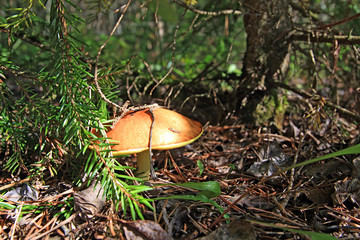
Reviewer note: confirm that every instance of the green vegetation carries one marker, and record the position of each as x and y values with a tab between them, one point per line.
68	67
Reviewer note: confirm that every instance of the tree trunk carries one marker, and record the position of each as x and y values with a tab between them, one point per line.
267	24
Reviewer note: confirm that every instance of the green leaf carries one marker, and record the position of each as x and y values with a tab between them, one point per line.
119	176
139	188
122	200
146	202
4	205
200	166
132	210
138	211
350	150
210	188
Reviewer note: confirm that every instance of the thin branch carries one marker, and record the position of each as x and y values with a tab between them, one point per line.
22	75
33	40
338	22
172	61
149	70
324	37
207	13
332	106
153	175
19	74
54	228
98	57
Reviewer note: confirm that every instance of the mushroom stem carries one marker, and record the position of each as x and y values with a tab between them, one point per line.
143	165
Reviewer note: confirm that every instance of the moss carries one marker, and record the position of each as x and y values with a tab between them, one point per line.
271	110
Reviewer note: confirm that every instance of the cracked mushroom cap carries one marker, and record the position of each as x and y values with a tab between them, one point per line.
170	130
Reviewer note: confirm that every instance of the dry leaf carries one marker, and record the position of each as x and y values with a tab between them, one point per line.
144	230
89	201
236	230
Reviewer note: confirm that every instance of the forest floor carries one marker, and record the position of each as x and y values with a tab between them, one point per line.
258	200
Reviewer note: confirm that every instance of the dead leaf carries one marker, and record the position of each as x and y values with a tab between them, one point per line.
89	201
236	230
144	230
23	193
320	195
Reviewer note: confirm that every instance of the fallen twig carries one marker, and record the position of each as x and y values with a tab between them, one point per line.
54	228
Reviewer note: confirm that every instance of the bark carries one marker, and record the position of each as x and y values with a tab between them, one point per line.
267	24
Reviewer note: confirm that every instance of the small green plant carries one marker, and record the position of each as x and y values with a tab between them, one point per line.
207	190
347	151
200	166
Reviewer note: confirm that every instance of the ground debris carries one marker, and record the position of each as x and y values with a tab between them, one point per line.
347	190
319	197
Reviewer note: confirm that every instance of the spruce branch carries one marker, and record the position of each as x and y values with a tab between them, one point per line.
113	177
61	11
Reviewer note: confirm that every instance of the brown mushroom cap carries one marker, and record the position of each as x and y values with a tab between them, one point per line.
170	130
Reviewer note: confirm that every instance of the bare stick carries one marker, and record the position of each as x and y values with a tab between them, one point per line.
152	171
172	61
14	184
16	221
324	37
342	21
98	57
54	228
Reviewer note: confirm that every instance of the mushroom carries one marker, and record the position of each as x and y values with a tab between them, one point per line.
131	134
